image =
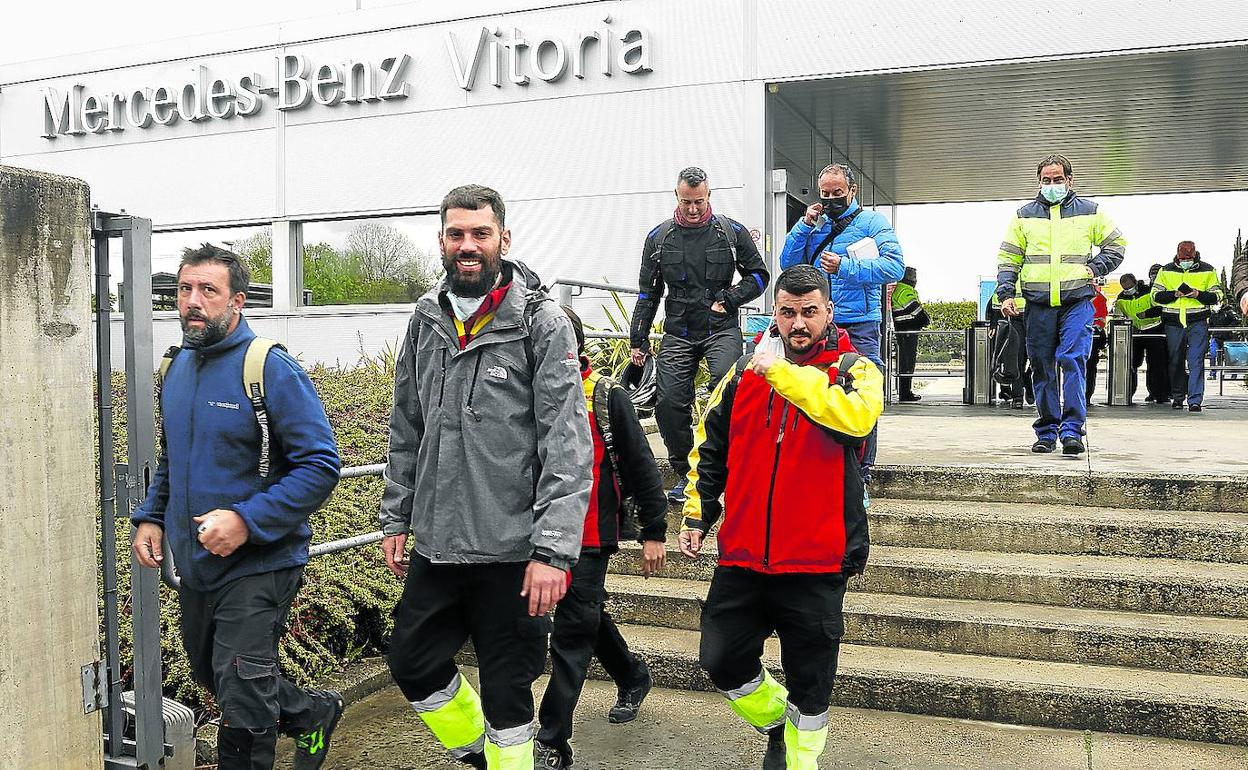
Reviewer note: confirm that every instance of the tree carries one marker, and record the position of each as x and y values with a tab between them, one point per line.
256	252
394	269
333	278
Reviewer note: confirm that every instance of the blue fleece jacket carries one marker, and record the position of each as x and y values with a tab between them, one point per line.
211	460
856	283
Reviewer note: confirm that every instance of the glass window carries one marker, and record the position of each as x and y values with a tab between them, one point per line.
254	244
381	260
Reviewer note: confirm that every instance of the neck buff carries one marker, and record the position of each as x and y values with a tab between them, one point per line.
684	221
464	307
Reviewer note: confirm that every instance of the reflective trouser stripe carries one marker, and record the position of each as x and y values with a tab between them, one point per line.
510	748
454	716
760	702
802	747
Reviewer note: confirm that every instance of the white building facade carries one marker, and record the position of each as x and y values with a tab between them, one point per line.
580	114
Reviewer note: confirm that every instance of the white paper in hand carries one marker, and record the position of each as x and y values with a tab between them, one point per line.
864	249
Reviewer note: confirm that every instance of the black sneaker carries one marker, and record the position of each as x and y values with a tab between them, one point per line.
1073	445
1177	404
549	758
677	493
775	759
1194	408
910	398
1043	447
312	746
628	704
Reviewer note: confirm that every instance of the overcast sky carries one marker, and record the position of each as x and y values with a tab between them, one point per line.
951	245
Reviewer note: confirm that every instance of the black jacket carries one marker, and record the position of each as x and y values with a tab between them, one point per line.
695	267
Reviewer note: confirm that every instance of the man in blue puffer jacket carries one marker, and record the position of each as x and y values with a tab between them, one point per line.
823	238
236	524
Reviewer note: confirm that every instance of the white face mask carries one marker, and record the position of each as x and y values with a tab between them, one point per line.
464	307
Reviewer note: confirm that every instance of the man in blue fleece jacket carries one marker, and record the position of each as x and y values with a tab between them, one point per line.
237	527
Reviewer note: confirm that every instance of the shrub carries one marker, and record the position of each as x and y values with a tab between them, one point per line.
946	316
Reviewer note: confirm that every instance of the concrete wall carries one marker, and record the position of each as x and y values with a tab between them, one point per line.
49	626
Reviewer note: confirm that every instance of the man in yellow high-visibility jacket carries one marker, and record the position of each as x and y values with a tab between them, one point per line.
1187	289
1048	254
1135	302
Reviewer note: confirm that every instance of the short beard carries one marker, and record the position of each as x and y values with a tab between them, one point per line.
791	352
213	331
473	286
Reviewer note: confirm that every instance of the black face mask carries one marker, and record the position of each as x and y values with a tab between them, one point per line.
835	207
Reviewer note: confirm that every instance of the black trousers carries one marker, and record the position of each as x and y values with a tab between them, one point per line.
444	605
744	607
583	629
1010	358
231	637
1151	350
677	365
907	357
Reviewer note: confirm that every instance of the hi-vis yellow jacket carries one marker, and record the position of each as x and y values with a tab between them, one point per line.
1048	250
1184	310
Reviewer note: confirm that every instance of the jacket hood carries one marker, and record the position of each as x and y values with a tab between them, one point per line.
526	287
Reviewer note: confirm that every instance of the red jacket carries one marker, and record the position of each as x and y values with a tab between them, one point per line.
782	452
1100	307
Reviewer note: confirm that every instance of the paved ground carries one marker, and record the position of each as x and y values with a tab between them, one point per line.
940	430
696	731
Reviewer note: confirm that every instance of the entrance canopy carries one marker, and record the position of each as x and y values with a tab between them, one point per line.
1157	122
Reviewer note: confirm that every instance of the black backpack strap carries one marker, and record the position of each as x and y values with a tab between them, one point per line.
730	232
838	226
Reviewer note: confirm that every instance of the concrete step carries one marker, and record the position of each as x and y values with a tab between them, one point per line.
1091	582
1179	643
1060	529
1105	490
1046	694
1056	529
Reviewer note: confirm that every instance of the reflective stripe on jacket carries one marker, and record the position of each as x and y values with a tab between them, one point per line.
1048	248
765	443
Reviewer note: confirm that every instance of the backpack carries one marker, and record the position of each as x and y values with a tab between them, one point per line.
602	417
253	386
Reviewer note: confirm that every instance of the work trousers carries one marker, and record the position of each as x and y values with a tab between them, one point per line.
231	637
677	366
1151	350
1059	340
743	608
865	338
444	605
583	629
907	357
1010	358
1188	346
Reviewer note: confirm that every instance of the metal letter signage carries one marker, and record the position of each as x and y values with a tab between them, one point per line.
298	83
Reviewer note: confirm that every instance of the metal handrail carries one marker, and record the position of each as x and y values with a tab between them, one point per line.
169	574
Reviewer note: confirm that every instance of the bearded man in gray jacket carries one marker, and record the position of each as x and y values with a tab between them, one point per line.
489	471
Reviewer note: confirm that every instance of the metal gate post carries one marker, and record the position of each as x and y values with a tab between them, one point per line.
1120	356
978	389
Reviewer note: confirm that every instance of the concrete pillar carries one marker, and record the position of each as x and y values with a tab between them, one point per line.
287	264
49	627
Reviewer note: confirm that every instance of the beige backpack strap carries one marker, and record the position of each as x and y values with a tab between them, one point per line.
253	385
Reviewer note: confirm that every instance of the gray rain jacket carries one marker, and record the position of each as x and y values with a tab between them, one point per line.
490	452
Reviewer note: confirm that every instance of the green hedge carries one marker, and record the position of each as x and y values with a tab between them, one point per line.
946	316
343	611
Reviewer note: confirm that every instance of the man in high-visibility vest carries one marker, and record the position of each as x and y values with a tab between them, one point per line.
1135	303
1048	254
1187	289
909	316
796	411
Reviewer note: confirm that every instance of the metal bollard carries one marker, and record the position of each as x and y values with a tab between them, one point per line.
1120	370
978	388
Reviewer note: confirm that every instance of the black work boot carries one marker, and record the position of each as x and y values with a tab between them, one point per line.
475	759
1044	446
241	749
1073	445
550	758
628	704
312	744
774	759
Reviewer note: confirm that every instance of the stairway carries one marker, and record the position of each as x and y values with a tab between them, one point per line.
1116	605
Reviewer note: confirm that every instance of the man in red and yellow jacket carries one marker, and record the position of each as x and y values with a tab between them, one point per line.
780	441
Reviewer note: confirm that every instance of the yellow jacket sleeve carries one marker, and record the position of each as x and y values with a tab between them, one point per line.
850	405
